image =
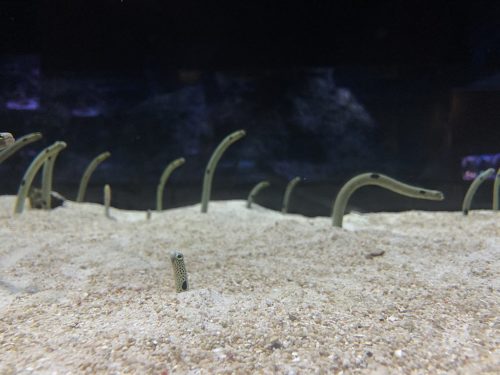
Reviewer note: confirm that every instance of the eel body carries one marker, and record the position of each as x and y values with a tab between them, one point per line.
181	281
6	139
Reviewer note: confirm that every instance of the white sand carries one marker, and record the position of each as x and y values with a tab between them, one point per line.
80	293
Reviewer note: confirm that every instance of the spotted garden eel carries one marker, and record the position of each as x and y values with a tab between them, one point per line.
6	139
379	180
212	164
261	185
181	280
163	180
7	148
88	172
107	201
288	192
29	175
496	191
483	176
47	177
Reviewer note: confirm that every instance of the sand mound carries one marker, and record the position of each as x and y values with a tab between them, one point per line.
397	293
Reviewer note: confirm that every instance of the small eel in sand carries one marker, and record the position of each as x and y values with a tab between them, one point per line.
6	139
181	281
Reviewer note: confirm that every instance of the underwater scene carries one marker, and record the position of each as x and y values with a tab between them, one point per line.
322	125
200	189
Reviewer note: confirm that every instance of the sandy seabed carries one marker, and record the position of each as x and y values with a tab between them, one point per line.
414	292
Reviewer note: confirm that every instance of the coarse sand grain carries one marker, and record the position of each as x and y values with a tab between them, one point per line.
391	293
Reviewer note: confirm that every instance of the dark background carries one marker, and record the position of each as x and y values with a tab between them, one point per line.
421	80
124	35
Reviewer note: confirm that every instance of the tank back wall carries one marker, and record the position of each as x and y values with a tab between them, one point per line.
324	92
308	122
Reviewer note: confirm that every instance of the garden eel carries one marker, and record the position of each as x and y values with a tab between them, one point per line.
163	180
483	176
255	191
47	177
382	181
9	150
286	199
496	191
31	172
88	172
107	200
181	280
212	164
6	139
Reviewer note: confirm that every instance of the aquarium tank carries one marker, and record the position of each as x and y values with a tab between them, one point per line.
408	91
